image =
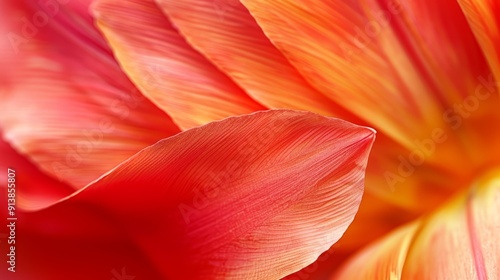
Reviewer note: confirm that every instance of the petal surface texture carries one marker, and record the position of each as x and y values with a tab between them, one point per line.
226	33
37	188
166	68
230	199
460	241
483	18
414	71
65	102
342	47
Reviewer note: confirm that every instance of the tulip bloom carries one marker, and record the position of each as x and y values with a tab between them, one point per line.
259	195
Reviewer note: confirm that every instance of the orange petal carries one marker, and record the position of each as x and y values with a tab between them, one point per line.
173	75
228	35
398	191
380	60
384	259
230	199
437	123
375	219
484	21
86	117
460	241
36	189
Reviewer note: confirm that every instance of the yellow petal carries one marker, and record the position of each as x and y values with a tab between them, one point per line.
460	241
384	259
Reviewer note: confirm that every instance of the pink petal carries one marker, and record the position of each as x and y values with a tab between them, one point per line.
64	100
36	189
230	199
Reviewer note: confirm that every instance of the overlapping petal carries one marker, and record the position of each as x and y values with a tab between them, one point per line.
230	199
424	84
65	102
226	33
460	241
483	18
383	259
37	189
167	70
381	61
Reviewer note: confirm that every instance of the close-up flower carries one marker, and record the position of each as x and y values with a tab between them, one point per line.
252	139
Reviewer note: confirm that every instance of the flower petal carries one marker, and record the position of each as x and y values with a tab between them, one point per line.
460	241
37	189
86	116
466	232
230	199
378	58
226	33
173	75
483	18
406	77
218	28
384	259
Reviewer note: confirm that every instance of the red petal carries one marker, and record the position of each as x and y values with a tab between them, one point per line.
36	189
230	199
64	100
